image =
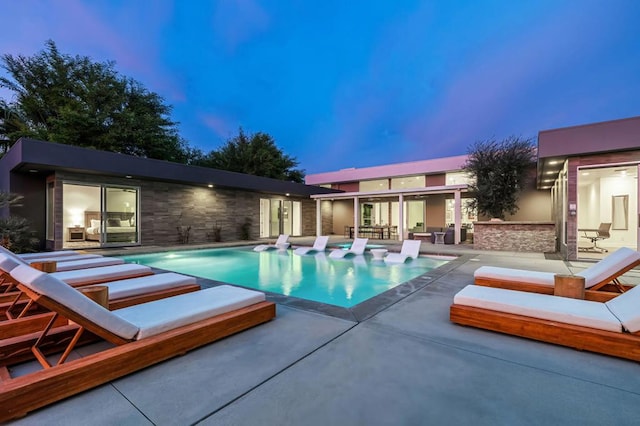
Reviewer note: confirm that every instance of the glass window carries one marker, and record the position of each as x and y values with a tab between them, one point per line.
50	211
374	185
408	182
458	178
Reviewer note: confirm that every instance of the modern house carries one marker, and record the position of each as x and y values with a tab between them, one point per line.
587	177
592	171
79	197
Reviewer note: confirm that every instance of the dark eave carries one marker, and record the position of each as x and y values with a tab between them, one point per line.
29	155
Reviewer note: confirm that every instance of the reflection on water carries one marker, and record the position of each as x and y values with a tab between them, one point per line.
342	282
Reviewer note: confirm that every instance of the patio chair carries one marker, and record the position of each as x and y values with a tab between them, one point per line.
68	262
281	243
144	335
57	254
611	328
320	244
42	257
357	248
410	249
601	279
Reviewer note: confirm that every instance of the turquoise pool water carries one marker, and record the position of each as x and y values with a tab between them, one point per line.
319	278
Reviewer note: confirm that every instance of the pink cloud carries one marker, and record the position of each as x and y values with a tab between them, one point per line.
221	126
239	21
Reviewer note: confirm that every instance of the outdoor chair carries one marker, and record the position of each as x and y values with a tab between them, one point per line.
601	279
143	334
281	243
410	249
357	248
611	328
320	244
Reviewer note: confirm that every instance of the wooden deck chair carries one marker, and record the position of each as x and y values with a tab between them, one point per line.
611	328
144	334
42	254
281	242
410	249
357	248
602	279
320	244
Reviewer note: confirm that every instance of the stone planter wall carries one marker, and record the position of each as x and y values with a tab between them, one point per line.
515	236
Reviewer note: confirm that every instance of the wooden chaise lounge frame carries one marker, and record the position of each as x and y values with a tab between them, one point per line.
602	291
623	345
20	395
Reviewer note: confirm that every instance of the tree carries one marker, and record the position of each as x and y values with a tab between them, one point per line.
15	232
76	101
255	154
500	171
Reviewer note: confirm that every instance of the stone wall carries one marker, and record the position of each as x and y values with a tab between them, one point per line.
515	236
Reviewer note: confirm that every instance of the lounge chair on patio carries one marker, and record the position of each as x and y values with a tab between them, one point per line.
44	258
410	249
144	334
320	244
601	279
56	254
71	262
281	243
611	328
357	248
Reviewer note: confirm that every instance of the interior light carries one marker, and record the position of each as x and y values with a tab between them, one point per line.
585	173
210	186
550	173
553	162
287	194
128	176
33	171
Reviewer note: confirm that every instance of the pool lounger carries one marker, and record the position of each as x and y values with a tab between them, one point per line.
319	245
410	249
56	254
281	243
357	248
601	279
611	328
144	334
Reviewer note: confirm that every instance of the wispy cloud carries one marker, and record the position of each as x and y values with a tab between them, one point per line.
221	126
239	21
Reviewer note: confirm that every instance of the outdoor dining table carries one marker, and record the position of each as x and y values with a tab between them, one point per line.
381	232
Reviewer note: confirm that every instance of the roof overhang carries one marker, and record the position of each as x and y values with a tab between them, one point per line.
33	156
393	193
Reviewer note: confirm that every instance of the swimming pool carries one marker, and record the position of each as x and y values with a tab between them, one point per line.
343	283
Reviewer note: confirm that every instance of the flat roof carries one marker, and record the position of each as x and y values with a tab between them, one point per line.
433	166
33	156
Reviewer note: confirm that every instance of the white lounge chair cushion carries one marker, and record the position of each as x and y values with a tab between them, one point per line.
62	258
167	314
561	309
47	285
103	273
7	264
515	275
88	263
608	266
57	254
150	283
626	308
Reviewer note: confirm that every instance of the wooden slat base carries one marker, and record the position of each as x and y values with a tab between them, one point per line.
622	345
20	395
603	295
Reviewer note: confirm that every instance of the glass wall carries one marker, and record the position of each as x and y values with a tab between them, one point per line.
280	217
408	182
374	185
458	178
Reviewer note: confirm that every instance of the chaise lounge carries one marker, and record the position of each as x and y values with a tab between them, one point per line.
281	243
611	328
144	334
357	248
320	244
410	249
601	279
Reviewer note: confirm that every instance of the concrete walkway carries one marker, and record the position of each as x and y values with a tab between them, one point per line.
406	365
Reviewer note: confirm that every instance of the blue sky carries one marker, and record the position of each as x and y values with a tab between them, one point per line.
357	83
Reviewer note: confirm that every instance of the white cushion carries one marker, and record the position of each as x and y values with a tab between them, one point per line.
69	258
608	266
150	283
103	273
167	314
626	308
87	263
562	309
60	253
411	248
515	275
7	263
49	286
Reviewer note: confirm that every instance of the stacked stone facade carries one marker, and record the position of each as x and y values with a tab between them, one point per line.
515	236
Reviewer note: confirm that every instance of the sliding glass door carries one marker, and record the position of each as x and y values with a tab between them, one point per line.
99	215
280	217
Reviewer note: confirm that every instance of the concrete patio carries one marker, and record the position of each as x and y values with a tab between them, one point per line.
407	364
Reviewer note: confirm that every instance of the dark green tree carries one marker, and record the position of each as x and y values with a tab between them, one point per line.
15	232
255	154
500	170
75	101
